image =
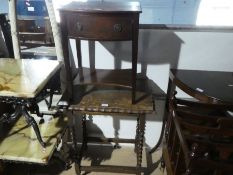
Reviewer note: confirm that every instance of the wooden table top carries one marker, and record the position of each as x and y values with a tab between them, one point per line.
25	78
103	7
114	101
215	85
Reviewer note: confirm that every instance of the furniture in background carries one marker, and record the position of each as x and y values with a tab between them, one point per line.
36	38
213	99
23	83
198	138
40	52
207	86
214	87
5	26
32	35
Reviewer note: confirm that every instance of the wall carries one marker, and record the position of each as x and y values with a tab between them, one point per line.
3	6
160	50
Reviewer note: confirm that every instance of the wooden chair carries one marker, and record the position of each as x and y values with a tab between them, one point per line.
199	138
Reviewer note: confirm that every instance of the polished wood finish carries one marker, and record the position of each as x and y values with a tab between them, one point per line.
86	76
199	138
100	27
101	21
104	21
208	86
211	87
103	7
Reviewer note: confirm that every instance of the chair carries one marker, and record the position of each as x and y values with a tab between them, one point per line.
199	138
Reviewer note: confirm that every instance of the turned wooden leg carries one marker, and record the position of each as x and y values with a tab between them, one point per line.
140	141
72	135
137	136
116	126
84	144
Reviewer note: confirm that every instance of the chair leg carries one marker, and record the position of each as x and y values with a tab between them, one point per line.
84	132
188	172
77	169
162	163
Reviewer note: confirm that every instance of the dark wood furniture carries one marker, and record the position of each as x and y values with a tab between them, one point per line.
214	87
32	35
5	26
102	91
115	102
207	86
101	21
198	138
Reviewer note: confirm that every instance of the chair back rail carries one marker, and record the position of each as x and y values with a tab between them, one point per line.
201	136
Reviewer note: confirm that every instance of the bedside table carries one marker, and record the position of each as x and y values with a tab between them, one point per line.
101	21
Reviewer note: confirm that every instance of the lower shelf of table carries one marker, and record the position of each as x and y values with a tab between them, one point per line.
119	77
21	145
105	158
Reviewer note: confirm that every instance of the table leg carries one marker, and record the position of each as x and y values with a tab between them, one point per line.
31	121
72	132
140	140
35	108
6	117
137	135
84	126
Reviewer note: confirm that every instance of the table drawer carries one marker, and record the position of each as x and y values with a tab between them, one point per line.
100	26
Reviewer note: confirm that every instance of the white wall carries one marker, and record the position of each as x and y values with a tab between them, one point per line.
4	6
158	51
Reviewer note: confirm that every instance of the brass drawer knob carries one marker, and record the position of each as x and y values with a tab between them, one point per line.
117	28
79	27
